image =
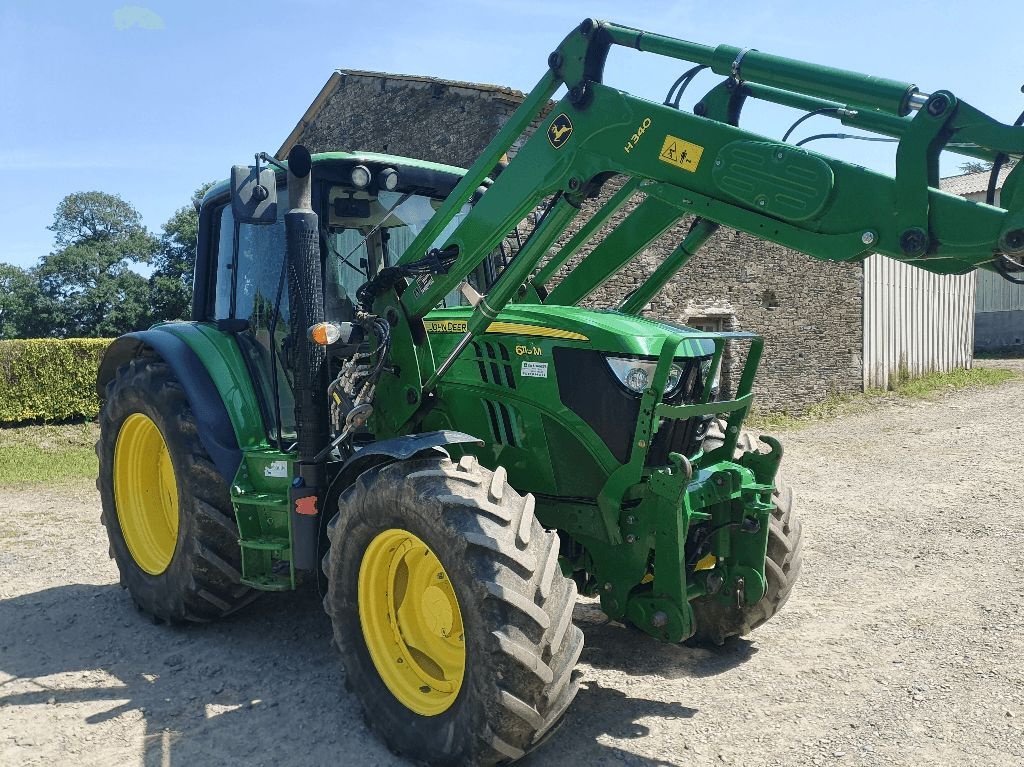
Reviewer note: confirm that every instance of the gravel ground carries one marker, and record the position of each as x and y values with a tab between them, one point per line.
900	645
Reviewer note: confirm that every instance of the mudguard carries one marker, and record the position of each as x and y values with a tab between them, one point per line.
216	433
374	454
397	449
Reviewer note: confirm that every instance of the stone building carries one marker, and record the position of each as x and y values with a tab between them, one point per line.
811	313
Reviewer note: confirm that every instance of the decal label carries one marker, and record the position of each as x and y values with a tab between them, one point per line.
682	154
635	138
534	369
506	328
559	131
276	469
524	350
446	326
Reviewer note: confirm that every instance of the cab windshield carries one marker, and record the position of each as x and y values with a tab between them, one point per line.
366	232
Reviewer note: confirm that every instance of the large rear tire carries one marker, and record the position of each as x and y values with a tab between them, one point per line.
715	620
166	509
453	618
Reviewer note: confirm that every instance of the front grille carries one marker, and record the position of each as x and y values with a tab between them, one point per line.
587	386
681	436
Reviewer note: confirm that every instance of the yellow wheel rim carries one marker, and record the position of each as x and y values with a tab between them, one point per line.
145	493
411	622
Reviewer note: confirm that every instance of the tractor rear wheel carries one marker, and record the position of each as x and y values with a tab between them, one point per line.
453	618
716	621
166	508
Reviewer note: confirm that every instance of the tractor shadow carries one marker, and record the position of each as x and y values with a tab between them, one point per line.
601	713
614	646
261	687
265	686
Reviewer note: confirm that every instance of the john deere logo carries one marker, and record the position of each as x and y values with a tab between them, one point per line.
559	131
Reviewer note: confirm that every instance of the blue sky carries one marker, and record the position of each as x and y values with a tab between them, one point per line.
149	100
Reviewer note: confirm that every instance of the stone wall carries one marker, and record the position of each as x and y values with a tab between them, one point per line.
809	312
425	118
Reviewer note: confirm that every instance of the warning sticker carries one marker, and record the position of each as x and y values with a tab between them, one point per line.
682	154
534	369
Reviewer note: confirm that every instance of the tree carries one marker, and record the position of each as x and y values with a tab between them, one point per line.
99	237
175	260
25	311
17	289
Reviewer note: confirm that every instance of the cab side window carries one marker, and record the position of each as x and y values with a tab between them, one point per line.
225	264
250	261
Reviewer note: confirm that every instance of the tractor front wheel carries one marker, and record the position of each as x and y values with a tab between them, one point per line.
167	510
453	618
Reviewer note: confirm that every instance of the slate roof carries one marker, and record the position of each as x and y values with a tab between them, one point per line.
971	183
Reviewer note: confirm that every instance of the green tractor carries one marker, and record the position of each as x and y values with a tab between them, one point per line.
377	398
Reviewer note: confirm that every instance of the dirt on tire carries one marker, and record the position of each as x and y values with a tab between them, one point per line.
900	644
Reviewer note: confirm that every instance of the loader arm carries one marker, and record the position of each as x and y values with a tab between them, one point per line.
703	164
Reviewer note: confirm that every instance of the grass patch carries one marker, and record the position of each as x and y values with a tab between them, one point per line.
924	387
953	380
47	454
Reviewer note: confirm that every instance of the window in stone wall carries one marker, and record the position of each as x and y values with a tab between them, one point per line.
709	324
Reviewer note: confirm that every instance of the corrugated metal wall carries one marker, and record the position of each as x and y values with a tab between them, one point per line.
998	295
914	320
999	315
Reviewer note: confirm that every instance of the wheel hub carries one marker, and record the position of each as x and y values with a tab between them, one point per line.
145	493
411	622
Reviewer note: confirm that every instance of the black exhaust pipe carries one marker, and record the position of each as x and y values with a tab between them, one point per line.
308	360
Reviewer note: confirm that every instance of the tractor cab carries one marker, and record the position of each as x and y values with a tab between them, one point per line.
370	208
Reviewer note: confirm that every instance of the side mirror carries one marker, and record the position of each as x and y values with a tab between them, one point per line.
253	198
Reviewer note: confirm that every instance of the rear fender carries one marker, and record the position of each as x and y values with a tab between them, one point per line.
216	431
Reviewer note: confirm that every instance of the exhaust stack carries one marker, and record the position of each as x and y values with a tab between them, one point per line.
305	309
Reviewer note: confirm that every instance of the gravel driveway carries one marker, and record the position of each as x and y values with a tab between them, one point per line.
900	645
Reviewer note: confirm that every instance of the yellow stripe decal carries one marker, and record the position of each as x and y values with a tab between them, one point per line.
508	328
518	329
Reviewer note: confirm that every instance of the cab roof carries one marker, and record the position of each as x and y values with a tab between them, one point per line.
221	187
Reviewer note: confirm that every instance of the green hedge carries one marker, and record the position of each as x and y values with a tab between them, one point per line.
49	379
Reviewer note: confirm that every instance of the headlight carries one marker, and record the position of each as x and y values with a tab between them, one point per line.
636	375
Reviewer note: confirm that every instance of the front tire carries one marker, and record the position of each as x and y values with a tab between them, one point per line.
424	552
166	509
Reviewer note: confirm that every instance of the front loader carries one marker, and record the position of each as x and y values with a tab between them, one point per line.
379	397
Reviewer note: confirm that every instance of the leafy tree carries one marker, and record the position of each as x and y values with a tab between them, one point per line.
25	312
175	261
16	294
99	237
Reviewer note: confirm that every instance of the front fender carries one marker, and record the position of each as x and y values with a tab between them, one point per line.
374	454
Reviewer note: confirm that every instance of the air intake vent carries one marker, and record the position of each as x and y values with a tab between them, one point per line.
503	420
494	364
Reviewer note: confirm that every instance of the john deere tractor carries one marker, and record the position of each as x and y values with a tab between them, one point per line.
382	396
